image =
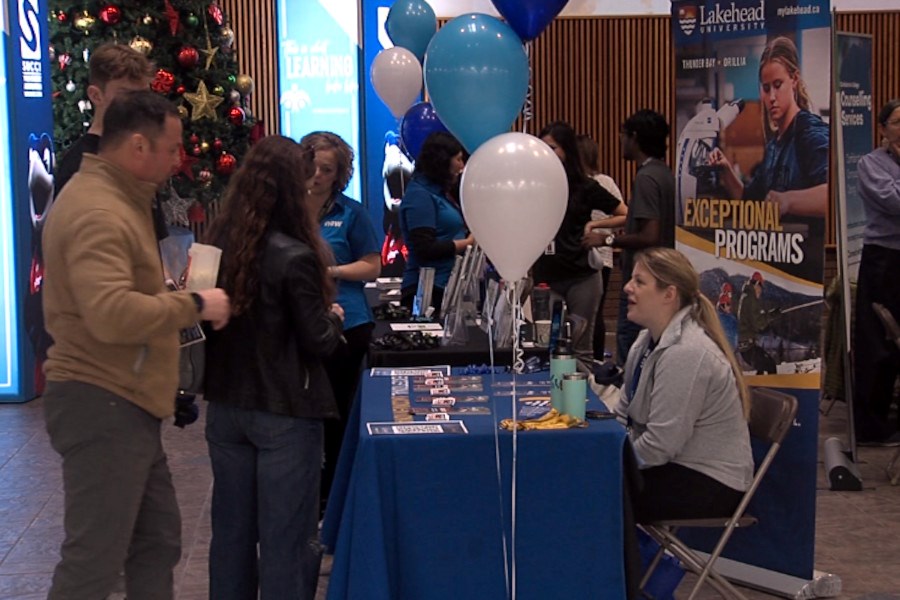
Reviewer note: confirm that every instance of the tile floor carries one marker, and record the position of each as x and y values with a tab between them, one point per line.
857	534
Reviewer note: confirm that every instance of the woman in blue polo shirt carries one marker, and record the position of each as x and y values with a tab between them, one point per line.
347	228
431	222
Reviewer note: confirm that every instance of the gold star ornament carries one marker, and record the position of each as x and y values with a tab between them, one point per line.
209	52
203	103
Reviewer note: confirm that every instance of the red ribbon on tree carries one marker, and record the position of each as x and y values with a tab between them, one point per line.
173	17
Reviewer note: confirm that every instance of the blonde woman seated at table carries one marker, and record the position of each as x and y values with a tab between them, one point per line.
684	400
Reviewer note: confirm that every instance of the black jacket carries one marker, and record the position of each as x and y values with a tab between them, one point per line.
270	357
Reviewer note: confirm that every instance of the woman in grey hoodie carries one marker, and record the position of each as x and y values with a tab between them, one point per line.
684	400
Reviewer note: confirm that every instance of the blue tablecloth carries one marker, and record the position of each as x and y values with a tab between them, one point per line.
421	516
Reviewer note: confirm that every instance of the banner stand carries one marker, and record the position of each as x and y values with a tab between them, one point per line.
822	585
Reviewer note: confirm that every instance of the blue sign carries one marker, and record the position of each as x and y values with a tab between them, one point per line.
26	173
318	71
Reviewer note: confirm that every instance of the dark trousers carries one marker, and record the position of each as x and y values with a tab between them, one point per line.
120	506
600	324
265	504
876	359
344	370
673	491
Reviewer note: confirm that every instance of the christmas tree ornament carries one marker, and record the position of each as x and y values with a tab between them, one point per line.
180	90
244	84
188	57
62	17
219	90
209	52
226	164
175	208
215	13
182	111
196	150
192	20
52	53
173	17
111	14
148	20
247	113
70	86
141	45
217	144
205	176
84	22
204	147
227	36
236	116
232	78
186	166
196	214
234	97
194	139
163	82
203	103
64	61
84	105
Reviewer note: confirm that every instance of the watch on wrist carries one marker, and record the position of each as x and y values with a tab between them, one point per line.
198	301
610	239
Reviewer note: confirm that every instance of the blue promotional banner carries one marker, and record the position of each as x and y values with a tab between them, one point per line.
318	71
753	100
26	191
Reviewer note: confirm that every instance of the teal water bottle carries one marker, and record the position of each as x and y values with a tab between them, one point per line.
574	391
562	361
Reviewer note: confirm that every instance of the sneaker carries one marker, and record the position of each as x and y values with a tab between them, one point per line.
892	441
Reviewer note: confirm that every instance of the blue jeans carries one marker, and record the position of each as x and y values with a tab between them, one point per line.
267	469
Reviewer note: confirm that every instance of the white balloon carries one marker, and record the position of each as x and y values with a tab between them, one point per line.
397	78
514	196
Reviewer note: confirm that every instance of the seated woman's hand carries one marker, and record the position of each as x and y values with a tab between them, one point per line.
338	310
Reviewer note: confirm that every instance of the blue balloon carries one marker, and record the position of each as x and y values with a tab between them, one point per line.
529	18
476	74
418	123
411	24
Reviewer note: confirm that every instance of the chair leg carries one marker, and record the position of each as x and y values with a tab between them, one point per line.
671	543
893	468
651	567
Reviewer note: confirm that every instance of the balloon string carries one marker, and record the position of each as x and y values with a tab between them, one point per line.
519	363
500	503
528	107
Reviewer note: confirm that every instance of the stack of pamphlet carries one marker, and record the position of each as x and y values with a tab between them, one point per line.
388	288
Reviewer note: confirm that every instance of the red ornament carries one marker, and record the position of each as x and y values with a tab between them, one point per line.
195	139
111	14
196	150
236	116
217	144
173	17
187	163
188	57
180	90
64	61
62	17
226	164
216	13
163	82
205	176
196	214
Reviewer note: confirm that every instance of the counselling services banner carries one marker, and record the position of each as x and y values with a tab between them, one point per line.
756	234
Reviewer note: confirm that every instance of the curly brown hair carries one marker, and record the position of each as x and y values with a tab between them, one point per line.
264	195
343	154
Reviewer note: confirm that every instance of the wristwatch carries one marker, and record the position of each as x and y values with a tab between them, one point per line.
198	301
610	239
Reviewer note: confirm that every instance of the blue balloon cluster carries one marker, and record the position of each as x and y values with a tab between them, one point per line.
419	122
410	24
529	18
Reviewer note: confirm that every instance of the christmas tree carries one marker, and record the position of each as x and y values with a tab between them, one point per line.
192	46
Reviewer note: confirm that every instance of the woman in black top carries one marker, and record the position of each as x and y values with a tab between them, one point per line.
564	265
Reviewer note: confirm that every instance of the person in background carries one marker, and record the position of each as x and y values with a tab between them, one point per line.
753	319
266	383
112	370
349	231
651	211
684	400
430	219
876	359
601	257
564	265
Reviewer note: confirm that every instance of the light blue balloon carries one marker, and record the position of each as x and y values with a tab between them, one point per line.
476	73
411	24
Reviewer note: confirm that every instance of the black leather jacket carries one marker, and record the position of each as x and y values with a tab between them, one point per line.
270	357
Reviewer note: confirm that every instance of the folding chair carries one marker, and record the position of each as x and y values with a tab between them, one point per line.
771	416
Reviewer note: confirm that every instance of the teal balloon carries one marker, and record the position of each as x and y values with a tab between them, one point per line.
476	73
411	24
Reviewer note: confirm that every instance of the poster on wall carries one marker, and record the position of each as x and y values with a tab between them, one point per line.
26	179
318	72
753	102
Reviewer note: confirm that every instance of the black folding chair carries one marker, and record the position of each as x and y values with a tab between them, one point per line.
771	416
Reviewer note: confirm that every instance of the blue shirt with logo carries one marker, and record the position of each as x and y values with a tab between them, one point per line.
349	231
425	205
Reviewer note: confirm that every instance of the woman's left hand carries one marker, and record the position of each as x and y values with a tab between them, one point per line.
338	310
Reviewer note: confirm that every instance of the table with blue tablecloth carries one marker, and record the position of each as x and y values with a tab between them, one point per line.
422	517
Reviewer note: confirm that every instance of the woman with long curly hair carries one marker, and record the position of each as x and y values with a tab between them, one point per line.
266	384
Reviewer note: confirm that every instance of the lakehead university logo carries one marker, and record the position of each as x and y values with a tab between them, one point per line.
687	19
31	48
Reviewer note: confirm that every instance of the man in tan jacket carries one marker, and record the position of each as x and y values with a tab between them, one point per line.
112	370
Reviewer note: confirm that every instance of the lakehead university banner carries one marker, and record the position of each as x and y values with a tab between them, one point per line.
752	110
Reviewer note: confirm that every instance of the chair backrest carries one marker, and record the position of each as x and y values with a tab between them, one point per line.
771	414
